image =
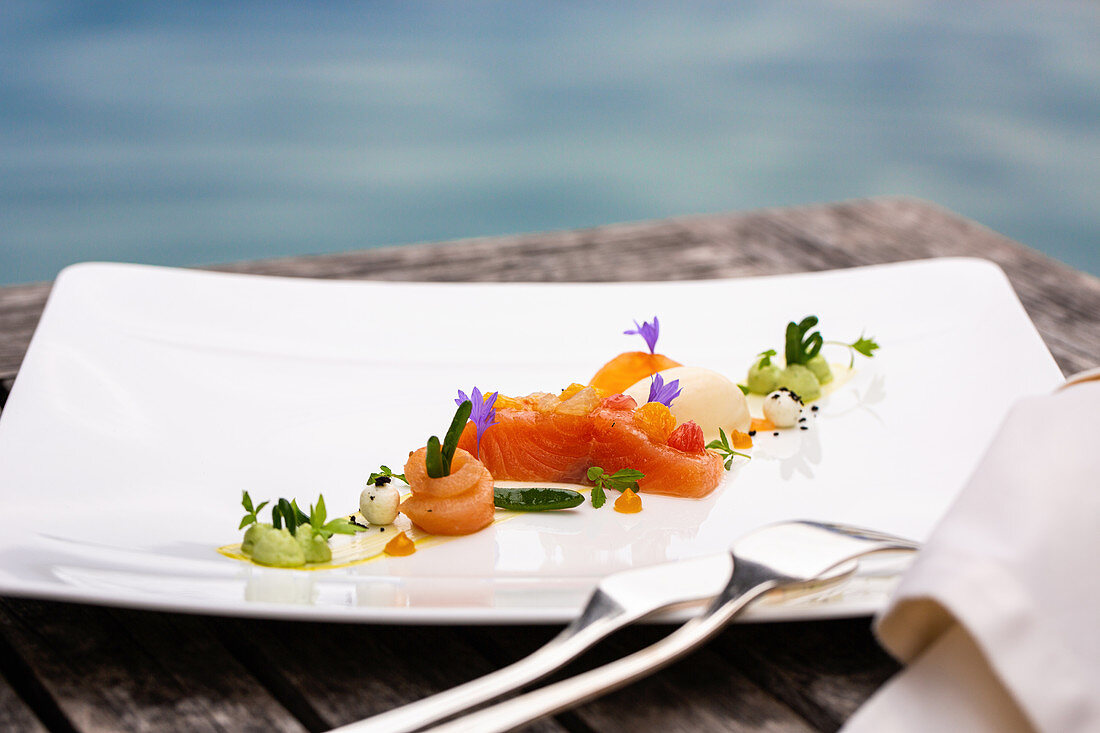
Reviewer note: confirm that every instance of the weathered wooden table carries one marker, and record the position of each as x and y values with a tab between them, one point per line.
72	667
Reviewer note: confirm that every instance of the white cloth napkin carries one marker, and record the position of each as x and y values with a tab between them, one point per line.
998	619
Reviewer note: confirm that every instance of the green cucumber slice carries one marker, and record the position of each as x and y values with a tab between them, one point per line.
536	499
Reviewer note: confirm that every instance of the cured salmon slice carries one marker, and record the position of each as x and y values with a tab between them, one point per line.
527	445
532	441
618	442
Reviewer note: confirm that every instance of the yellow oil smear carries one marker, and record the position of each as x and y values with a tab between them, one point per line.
349	550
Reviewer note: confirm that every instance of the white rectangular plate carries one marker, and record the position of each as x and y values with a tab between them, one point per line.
151	397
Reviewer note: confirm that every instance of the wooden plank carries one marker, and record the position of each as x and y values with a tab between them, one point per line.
702	693
127	670
1063	302
823	671
334	674
15	715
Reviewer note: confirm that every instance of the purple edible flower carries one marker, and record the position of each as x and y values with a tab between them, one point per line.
648	331
482	414
663	393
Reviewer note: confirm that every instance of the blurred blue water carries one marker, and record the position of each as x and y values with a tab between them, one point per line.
195	133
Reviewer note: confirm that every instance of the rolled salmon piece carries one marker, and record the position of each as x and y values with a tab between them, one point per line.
461	503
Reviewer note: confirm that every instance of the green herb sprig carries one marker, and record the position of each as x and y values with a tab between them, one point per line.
800	347
251	513
723	446
862	345
286	513
621	480
386	472
318	515
438	459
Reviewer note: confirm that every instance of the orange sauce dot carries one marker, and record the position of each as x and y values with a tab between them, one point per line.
762	424
628	503
400	546
740	441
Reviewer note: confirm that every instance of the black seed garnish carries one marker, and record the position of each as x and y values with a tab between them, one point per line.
776	433
775	396
752	433
382	530
814	408
803	427
381	480
801	419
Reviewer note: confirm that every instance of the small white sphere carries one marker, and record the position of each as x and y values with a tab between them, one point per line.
378	504
783	408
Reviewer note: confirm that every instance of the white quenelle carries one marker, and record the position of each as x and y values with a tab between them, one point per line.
706	397
378	503
783	407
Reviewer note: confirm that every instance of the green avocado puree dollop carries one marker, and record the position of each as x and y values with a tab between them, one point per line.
314	547
800	380
278	548
763	378
821	369
252	535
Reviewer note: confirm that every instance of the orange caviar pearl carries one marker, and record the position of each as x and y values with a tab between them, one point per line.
628	503
400	546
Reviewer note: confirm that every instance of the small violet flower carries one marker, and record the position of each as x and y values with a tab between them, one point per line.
483	415
648	331
663	393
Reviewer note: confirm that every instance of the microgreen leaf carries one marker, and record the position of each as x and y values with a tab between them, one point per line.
318	513
624	478
765	358
599	498
865	346
341	526
744	388
251	512
387	472
621	480
862	345
723	447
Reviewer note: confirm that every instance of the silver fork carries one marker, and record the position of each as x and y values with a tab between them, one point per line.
779	556
619	599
